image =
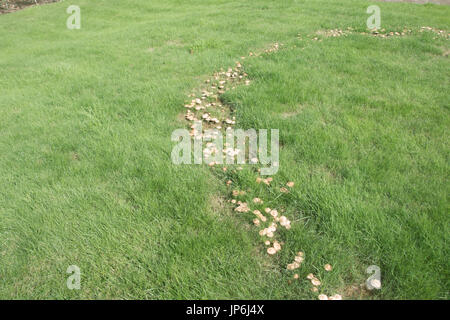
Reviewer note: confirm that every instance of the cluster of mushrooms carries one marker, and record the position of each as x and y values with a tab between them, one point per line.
207	107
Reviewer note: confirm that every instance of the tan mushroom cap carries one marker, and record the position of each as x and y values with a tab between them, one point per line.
257	200
376	283
315	282
276	245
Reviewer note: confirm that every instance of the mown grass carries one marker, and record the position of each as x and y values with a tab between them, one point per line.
85	150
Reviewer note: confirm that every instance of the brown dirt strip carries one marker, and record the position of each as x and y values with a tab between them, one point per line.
8	6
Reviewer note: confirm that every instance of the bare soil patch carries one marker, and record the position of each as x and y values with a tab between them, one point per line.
7	6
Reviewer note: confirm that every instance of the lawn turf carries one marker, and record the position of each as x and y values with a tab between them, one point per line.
85	150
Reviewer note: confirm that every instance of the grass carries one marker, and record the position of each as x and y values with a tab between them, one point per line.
85	150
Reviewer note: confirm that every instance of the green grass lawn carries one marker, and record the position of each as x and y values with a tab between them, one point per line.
86	176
